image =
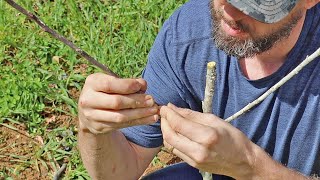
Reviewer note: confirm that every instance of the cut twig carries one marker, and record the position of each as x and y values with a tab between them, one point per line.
207	102
276	86
61	38
209	90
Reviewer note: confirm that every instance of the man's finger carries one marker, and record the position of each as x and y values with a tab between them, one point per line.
106	126
202	118
143	121
137	122
143	84
192	130
109	84
179	141
185	158
122	117
187	113
99	100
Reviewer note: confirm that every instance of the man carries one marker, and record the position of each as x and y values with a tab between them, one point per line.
255	44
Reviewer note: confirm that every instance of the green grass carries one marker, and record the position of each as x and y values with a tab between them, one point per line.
35	86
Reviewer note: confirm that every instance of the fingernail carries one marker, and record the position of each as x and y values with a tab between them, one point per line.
156	118
149	102
153	109
172	105
136	86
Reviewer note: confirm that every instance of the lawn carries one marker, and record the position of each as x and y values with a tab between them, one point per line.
41	78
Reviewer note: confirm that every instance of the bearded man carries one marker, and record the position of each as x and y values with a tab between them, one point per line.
254	43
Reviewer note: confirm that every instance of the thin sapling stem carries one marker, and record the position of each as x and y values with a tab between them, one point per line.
61	38
295	71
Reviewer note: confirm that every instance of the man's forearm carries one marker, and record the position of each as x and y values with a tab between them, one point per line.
267	168
108	156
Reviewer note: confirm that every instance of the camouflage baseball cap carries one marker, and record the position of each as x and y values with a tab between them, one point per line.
267	11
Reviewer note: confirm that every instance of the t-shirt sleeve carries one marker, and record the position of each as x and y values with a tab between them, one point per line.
164	85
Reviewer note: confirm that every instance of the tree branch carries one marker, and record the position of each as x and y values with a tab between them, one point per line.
61	38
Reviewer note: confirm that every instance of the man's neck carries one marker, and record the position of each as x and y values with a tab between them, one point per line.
268	62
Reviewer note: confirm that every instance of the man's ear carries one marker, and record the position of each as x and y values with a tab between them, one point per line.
311	3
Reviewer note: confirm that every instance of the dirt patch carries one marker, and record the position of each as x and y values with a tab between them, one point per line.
17	159
82	69
163	159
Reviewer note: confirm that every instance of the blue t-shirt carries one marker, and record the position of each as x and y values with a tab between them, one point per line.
286	124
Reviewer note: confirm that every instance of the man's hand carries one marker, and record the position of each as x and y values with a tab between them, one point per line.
207	142
107	103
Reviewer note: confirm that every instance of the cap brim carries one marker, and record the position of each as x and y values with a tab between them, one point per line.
265	11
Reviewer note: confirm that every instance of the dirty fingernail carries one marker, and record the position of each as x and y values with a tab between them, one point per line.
153	109
149	102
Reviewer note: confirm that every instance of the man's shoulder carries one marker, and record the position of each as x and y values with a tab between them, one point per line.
191	22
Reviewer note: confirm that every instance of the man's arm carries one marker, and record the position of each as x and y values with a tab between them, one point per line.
265	168
107	104
111	156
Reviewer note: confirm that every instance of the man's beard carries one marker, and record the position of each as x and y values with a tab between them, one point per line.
251	46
